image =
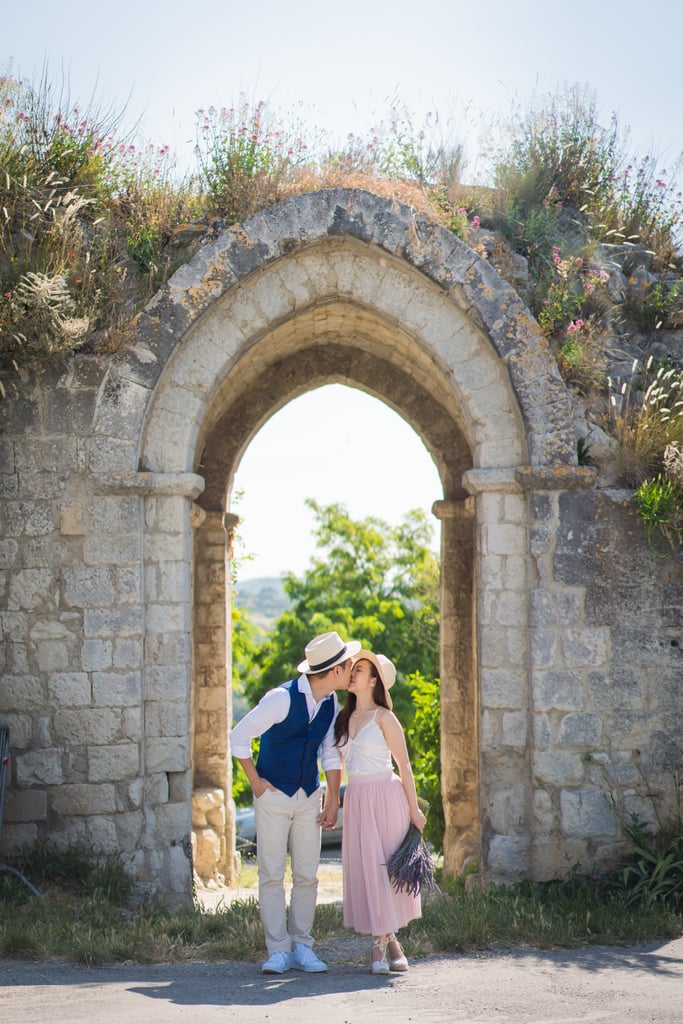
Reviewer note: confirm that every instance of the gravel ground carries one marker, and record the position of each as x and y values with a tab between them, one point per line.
610	986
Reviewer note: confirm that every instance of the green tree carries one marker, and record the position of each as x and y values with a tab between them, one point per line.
378	584
424	742
371	582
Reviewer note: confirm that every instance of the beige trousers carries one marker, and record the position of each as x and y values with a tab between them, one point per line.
287	823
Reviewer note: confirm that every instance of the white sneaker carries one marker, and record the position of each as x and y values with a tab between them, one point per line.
277	963
304	959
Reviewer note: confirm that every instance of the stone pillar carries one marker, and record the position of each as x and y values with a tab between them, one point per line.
514	581
212	700
162	859
459	732
501	585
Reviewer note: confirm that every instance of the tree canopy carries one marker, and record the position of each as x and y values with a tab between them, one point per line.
371	582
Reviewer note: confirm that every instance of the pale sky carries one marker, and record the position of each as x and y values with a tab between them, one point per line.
338	68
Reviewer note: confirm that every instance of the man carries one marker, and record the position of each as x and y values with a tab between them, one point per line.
296	724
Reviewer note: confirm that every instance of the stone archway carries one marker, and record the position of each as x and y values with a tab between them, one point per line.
342	286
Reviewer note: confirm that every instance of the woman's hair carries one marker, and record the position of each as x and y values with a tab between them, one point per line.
379	695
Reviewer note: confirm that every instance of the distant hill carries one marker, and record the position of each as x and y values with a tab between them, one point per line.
264	598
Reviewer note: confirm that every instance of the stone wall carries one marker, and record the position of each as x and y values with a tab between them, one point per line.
560	631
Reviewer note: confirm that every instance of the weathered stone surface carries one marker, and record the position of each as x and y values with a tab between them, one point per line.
560	631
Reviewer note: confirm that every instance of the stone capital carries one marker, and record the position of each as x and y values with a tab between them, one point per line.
454	508
519	479
184	485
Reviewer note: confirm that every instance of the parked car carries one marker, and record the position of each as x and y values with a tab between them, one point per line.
245	825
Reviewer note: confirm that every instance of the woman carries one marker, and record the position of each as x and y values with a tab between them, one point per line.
378	809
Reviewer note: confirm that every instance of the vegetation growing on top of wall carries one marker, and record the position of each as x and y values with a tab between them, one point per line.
92	223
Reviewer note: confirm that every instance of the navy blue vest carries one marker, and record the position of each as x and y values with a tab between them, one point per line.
288	753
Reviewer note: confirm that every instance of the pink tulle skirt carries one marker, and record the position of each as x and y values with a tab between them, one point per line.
376	819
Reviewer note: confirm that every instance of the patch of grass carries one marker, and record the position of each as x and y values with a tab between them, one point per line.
100	927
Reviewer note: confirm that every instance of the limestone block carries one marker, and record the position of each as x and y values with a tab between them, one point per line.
179	786
135	792
25	692
587	813
504	539
544	812
106	455
545	645
32	589
117	762
86	586
557	768
501	646
543	737
29	518
490	729
117	549
168	618
129	829
204	801
167	718
19	729
109	622
69	689
515	509
115	689
506	806
15	837
178	872
96	655
9	487
503	688
101	835
625	688
127	654
541	540
131	724
554	858
173	821
113	513
207	855
83	799
515	729
587	648
127	584
86	726
511	607
71	520
554	689
508	857
498	452
212	698
9	549
25	805
168	683
156	788
579	730
37	767
623	774
52	656
168	754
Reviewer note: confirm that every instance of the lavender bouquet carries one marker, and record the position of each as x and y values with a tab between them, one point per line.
411	868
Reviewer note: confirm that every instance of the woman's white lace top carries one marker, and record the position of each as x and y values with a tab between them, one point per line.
368	752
